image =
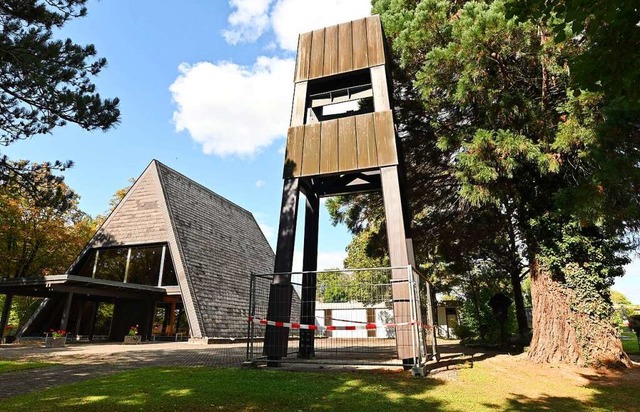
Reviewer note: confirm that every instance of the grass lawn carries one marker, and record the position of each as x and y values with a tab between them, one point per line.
10	366
630	343
500	383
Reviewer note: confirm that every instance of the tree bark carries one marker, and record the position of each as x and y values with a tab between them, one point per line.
562	335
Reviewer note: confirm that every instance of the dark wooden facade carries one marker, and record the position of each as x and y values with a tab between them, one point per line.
341	140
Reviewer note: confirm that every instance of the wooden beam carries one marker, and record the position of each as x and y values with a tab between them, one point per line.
94	316
394	216
299	104
380	88
5	314
96	291
309	263
398	256
287	229
65	313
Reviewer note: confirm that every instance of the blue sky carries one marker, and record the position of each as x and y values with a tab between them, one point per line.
205	88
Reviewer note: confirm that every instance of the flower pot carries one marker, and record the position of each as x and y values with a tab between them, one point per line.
132	340
51	342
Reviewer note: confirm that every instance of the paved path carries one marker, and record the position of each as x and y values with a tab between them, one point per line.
79	362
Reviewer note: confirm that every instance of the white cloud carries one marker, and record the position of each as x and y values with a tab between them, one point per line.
231	109
260	183
248	21
292	17
326	260
288	18
237	110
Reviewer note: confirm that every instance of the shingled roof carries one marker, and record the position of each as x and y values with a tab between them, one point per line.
215	245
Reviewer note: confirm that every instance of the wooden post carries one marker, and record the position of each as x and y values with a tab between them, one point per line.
281	291
309	263
79	320
94	316
6	309
65	313
148	327
287	230
399	256
172	319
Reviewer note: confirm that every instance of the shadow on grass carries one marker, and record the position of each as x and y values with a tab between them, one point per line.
455	356
176	388
613	391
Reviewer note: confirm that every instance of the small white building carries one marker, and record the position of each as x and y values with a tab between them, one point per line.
355	314
448	319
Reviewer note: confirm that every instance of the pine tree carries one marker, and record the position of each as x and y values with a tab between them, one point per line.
505	127
46	82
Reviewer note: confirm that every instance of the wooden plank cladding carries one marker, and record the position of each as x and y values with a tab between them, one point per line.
337	49
329	147
348	149
385	138
366	141
311	150
345	52
293	155
330	51
360	52
340	145
316	64
302	61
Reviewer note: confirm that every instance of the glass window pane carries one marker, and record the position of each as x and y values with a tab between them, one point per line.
144	266
103	319
85	267
169	272
111	264
182	324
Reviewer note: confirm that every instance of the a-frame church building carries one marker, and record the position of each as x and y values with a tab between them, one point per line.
173	258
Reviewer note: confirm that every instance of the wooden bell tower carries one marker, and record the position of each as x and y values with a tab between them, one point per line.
341	140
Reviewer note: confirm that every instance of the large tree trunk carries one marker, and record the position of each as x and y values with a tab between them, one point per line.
562	335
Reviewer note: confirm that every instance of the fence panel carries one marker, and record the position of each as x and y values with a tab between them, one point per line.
346	317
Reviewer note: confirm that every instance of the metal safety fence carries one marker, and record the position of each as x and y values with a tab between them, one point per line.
374	316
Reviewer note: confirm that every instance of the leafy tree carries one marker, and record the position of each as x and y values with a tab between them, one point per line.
40	232
606	72
45	82
332	287
496	95
619	298
622	308
364	286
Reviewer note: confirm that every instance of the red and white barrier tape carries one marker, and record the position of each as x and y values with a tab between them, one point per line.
293	325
